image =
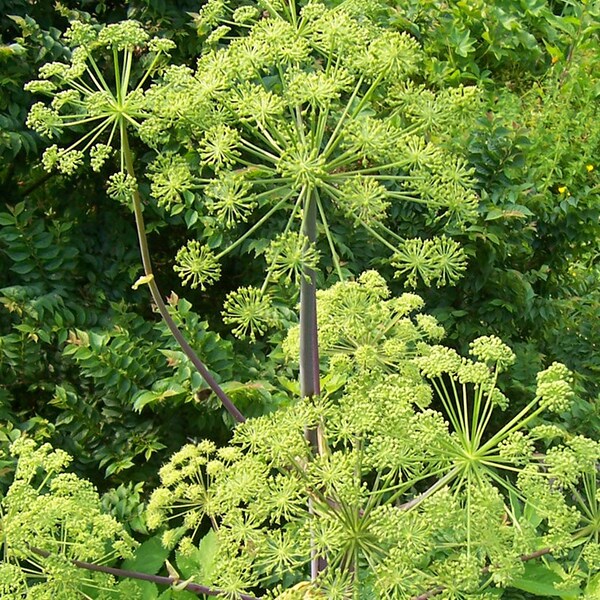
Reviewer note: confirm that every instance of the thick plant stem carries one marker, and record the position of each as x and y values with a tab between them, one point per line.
309	345
309	350
157	297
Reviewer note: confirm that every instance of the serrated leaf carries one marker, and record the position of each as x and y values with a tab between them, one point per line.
143	398
198	564
149	557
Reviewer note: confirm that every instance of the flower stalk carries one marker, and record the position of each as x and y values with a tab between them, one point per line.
155	292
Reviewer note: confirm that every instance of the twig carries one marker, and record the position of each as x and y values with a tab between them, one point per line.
36	184
432	592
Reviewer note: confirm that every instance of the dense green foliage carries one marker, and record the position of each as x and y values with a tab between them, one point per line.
451	146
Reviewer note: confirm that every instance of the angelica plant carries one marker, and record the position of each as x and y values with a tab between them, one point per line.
301	118
305	116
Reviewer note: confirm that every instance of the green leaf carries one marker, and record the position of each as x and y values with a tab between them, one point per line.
199	564
149	557
191	217
143	398
539	580
592	589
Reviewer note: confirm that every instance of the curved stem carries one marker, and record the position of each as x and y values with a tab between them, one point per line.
156	295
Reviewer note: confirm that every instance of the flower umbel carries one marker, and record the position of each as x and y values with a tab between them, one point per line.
440	260
197	265
48	519
250	310
289	255
82	96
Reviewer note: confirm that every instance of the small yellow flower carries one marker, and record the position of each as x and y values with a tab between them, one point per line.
554	59
589	168
562	189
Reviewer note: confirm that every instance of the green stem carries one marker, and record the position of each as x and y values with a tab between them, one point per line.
118	81
309	345
93	134
100	82
335	138
440	483
442	392
127	62
67	123
400	195
148	72
267	136
156	295
259	152
254	227
394	249
488	410
82	86
500	435
309	357
321	126
334	255
376	170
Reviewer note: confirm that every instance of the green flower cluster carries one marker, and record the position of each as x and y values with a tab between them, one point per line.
81	96
439	260
251	310
197	265
290	255
554	387
361	328
48	519
301	108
